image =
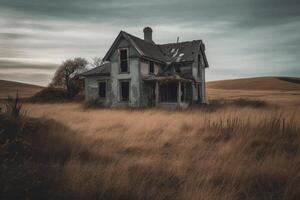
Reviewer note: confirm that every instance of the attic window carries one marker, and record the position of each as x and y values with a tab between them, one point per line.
123	60
151	67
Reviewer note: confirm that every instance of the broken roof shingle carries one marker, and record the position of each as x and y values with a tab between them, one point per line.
181	51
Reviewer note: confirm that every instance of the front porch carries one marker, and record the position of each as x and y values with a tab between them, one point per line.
169	91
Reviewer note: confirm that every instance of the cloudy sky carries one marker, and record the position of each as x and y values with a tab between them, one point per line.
243	38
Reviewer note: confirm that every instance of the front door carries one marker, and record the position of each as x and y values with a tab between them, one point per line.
152	95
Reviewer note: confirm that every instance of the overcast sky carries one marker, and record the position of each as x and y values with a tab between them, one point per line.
244	38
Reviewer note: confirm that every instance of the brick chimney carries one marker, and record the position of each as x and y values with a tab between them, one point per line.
148	34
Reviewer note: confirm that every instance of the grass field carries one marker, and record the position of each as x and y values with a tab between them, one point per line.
232	150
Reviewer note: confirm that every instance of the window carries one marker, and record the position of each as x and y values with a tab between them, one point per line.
123	60
151	67
124	90
177	69
168	92
102	89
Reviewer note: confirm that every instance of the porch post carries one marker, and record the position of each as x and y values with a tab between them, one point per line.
156	93
179	92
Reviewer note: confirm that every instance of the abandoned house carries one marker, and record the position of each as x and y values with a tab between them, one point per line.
138	73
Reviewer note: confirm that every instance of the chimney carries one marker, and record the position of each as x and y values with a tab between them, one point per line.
148	34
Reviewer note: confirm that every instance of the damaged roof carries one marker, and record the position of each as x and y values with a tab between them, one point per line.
163	53
181	51
102	70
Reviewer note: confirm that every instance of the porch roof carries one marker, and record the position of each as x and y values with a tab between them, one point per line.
168	78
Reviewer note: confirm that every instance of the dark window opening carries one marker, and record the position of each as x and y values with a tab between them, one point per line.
124	90
151	67
102	89
168	92
200	90
151	93
123	60
177	69
182	95
188	92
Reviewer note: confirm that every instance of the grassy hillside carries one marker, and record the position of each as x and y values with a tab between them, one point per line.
258	83
10	88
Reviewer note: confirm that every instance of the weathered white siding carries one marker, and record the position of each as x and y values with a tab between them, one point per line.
133	76
92	89
145	68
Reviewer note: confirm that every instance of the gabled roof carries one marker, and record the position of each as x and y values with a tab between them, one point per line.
148	49
102	70
163	53
144	48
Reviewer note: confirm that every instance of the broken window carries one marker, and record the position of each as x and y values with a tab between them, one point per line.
123	60
124	90
151	67
102	89
168	92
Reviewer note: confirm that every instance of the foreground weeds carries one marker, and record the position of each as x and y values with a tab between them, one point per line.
233	153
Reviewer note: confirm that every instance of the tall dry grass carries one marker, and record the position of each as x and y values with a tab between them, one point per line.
232	151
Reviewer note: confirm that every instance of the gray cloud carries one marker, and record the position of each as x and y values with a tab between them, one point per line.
9	65
243	37
36	78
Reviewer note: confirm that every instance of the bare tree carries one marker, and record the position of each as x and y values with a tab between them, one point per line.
96	62
67	75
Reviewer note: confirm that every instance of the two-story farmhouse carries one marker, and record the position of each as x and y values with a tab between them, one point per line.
137	72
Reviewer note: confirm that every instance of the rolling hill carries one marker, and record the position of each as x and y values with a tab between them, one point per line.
258	83
10	88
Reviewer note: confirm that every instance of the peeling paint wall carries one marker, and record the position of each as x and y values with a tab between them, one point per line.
133	76
145	68
92	89
199	76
